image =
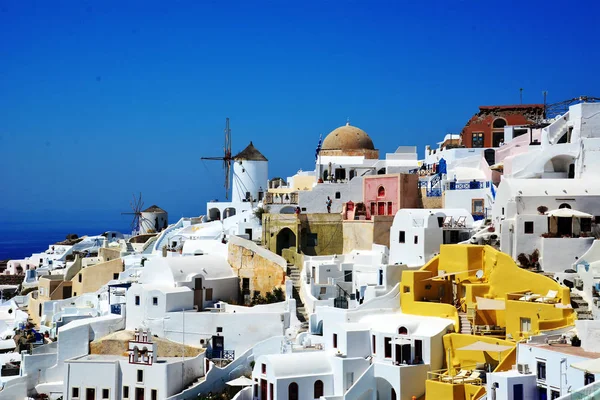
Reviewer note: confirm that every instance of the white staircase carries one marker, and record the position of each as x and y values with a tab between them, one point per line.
465	325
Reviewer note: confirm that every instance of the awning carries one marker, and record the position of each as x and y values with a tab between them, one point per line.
567	213
241	381
483	346
592	365
401	341
490	304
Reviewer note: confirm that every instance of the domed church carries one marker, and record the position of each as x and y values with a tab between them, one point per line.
348	140
345	152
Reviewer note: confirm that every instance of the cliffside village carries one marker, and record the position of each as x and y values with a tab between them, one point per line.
472	273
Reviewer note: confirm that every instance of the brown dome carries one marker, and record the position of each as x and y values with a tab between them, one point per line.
348	137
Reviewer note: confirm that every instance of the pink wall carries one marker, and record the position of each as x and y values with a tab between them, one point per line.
517	146
392	192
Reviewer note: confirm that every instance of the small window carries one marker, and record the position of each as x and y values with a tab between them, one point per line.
477	207
137	300
529	227
125	392
75	392
381	191
402	237
219	329
588	378
387	342
140	376
154	394
155	301
209	294
303	209
115	276
416	239
335	340
440	221
347	276
374	344
263	369
541	370
105	394
338	195
323	290
477	140
402	331
79	278
406	289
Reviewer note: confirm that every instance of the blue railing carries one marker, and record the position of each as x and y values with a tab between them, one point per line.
435	192
468	185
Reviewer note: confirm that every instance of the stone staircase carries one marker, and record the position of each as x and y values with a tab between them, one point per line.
465	325
294	274
196	382
581	307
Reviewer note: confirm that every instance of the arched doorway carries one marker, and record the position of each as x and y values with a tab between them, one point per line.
228	212
214	214
285	239
293	391
384	389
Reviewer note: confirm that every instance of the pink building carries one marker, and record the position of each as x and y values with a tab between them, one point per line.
386	194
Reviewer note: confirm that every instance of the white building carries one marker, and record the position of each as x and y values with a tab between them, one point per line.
348	280
561	231
416	234
140	375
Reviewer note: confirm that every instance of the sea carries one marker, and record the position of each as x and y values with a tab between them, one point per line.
23	239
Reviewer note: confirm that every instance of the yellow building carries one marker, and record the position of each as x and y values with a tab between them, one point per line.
493	303
92	278
290	235
50	287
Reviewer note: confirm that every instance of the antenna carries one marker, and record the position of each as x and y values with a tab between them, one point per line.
226	157
521	94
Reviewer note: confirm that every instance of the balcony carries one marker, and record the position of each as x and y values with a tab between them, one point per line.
280	198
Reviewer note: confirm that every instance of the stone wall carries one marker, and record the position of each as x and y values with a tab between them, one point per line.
264	269
431	202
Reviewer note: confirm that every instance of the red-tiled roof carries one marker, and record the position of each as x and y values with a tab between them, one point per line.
512	106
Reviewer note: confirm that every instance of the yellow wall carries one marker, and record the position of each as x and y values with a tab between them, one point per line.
93	277
361	235
500	280
327	227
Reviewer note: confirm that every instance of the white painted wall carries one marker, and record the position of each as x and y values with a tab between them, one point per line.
249	176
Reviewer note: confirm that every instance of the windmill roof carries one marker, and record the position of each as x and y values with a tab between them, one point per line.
250	153
154	209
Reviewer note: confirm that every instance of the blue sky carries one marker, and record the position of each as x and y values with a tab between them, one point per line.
100	99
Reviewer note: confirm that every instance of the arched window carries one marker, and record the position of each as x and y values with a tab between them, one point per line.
499	123
318	389
564	205
381	191
293	391
402	331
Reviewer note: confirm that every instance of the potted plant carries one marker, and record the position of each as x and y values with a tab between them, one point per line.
542	210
